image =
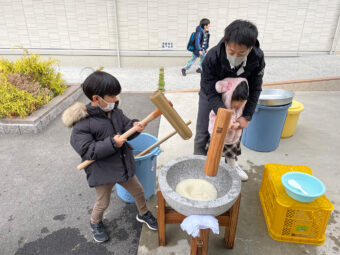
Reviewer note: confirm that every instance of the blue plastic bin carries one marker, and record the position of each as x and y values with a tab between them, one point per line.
264	131
145	167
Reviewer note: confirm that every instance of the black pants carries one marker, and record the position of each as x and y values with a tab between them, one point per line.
202	134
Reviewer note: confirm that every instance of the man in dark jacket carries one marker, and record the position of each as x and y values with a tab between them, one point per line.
201	45
238	54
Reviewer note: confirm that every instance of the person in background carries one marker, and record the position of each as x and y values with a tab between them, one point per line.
201	45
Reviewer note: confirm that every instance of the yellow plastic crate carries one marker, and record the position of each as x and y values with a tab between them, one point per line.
287	219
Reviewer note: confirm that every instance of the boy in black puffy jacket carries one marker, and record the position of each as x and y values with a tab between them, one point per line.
96	136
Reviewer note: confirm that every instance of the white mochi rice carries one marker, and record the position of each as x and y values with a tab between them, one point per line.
197	189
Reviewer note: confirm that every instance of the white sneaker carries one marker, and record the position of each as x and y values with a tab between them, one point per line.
240	172
230	162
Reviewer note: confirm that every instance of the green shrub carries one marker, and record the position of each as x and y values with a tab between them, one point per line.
24	82
14	102
27	84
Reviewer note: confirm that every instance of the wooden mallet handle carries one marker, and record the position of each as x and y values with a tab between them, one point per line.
217	141
84	164
155	114
147	150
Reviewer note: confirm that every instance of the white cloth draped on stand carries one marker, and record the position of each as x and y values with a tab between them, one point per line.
193	223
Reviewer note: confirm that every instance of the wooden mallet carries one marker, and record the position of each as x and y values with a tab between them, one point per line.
171	115
217	141
163	107
155	114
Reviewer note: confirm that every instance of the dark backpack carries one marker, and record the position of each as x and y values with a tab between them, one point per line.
191	43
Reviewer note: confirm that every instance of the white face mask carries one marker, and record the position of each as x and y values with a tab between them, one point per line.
109	107
234	61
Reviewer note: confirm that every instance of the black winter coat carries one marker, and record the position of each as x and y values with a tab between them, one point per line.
216	67
92	138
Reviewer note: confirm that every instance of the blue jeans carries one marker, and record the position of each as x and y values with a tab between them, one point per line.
193	59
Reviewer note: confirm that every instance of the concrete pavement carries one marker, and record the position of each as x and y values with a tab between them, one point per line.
316	143
45	202
146	79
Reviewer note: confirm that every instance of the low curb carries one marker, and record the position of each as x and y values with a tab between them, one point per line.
40	119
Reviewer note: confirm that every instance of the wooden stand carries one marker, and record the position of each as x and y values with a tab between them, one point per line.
198	245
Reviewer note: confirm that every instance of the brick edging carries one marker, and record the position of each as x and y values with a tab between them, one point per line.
38	120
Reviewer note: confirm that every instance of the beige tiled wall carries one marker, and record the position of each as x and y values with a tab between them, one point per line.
62	24
284	25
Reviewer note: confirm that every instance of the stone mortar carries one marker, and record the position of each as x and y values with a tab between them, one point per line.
227	183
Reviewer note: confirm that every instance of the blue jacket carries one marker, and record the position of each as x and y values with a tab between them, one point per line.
199	35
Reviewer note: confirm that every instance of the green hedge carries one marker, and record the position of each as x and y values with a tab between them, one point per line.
27	84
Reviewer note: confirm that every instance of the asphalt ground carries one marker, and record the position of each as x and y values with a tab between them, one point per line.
46	202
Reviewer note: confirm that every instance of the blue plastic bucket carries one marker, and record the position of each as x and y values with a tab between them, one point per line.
145	167
264	130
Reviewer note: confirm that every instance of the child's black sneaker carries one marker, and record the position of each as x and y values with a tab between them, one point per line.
150	221
99	233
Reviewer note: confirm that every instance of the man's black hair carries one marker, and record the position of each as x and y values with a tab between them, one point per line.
241	92
204	22
101	84
241	32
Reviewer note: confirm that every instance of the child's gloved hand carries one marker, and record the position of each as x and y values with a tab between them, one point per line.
119	141
139	126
